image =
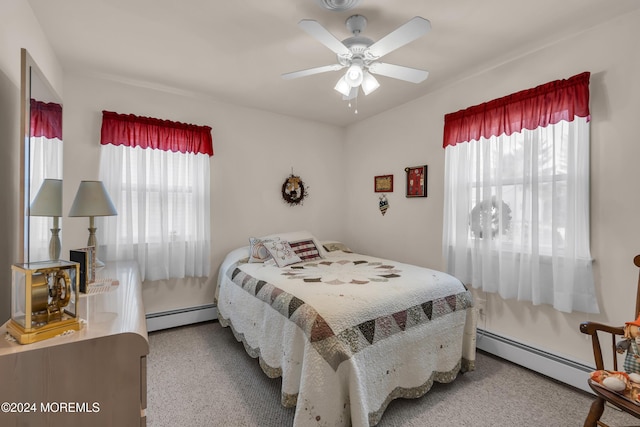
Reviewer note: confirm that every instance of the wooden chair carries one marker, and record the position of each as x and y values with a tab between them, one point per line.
603	395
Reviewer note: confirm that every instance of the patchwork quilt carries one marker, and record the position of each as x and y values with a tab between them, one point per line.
348	333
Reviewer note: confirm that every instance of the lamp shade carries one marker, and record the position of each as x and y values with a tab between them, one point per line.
343	87
92	199
48	201
369	83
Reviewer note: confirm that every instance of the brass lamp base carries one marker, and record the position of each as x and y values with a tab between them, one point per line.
50	330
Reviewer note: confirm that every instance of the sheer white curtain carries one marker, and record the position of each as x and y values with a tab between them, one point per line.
162	198
45	162
516	214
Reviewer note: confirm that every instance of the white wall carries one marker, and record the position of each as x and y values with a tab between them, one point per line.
18	29
254	152
411	135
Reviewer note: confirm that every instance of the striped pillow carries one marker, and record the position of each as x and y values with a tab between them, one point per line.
306	249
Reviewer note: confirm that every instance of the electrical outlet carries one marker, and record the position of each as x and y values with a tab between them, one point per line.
481	306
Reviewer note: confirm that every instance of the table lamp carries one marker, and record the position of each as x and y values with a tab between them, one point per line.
48	202
92	200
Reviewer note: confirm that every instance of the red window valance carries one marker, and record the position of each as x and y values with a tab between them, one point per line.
529	109
46	119
146	132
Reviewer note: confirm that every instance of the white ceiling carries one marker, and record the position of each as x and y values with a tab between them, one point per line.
235	51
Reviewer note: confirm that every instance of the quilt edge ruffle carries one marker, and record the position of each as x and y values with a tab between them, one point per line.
290	400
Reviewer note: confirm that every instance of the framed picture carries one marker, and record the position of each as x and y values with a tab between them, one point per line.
416	181
383	183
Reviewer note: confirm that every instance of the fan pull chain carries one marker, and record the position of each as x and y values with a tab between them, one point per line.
356	105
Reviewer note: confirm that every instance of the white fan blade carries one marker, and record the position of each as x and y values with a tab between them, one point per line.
323	35
311	71
410	31
412	75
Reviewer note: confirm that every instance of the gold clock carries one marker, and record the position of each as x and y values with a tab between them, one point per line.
44	298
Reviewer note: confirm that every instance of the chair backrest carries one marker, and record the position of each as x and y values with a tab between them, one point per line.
611	335
614	333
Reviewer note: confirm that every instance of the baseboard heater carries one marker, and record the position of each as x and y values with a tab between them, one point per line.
557	367
180	317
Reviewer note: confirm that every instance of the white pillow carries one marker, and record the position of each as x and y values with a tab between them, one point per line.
281	252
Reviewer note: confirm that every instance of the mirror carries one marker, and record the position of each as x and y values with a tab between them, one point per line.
41	154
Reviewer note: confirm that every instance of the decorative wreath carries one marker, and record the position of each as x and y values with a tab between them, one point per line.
487	212
293	191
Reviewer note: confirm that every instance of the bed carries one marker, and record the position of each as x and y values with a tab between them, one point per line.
347	332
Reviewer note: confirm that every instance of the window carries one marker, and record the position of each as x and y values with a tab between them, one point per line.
161	192
517	196
507	179
45	157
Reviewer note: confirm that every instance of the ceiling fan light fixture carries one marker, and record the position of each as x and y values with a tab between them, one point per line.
369	83
342	86
360	55
338	5
354	75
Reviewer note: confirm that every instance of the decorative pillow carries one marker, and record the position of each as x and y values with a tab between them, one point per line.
295	236
306	249
336	246
257	251
281	252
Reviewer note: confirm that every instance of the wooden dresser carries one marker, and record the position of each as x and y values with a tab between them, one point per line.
93	377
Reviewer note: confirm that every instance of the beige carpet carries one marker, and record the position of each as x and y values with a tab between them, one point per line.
199	375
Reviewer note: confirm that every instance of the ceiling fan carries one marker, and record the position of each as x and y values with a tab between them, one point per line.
360	55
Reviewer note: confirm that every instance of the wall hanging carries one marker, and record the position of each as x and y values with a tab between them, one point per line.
293	190
383	204
416	181
383	183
